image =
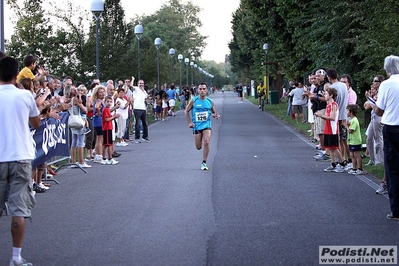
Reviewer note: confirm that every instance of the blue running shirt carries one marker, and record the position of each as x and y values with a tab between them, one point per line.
201	113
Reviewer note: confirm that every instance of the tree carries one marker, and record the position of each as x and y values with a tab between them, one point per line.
32	31
304	35
115	40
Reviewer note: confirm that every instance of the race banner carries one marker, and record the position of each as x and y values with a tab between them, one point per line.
51	139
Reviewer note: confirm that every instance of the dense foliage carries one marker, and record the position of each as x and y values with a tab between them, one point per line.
353	37
63	38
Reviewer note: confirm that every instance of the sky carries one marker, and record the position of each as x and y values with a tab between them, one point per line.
216	18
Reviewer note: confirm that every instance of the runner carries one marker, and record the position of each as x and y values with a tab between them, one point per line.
201	108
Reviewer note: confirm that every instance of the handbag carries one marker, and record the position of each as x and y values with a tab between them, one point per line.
75	121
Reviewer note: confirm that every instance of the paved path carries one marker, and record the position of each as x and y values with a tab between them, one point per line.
264	201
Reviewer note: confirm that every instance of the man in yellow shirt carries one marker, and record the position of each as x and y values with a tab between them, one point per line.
261	92
27	71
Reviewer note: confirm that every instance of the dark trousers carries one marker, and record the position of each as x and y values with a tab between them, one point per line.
127	131
140	115
391	156
90	137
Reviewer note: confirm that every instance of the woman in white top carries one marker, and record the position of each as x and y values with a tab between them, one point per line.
123	115
77	143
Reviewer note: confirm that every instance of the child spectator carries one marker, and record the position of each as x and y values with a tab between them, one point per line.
123	112
164	106
331	140
107	127
30	66
354	140
158	108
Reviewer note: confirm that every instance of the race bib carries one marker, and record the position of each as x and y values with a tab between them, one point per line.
201	116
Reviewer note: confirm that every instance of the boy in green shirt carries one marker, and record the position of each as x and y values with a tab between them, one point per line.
354	140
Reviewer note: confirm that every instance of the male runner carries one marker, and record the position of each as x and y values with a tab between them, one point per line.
201	108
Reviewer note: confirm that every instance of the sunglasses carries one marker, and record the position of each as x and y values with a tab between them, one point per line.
376	80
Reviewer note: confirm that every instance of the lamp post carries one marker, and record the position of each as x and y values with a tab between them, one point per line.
138	31
2	25
192	69
186	61
266	48
97	7
158	43
172	53
180	58
195	67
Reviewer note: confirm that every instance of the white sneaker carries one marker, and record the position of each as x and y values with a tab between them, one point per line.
97	159
41	185
124	144
119	144
339	169
22	262
84	165
358	172
104	161
112	161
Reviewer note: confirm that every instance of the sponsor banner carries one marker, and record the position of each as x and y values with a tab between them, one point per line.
51	139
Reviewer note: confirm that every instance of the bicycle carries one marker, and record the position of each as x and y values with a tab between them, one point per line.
262	102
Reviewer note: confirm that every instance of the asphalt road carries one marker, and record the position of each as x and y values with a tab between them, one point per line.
264	201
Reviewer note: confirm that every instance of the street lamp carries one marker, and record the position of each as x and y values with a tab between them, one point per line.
158	43
172	53
180	58
138	31
266	48
97	7
192	77
186	61
195	66
2	25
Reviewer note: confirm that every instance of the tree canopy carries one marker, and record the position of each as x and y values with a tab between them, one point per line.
353	37
64	38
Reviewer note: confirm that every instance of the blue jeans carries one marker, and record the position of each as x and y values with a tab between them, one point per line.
391	159
289	108
183	103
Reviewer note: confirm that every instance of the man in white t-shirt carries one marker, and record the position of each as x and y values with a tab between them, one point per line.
140	111
387	107
18	111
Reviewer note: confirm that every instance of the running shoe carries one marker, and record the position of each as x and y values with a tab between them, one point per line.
359	172
324	158
329	169
84	165
22	262
391	217
204	167
339	169
112	162
352	171
382	189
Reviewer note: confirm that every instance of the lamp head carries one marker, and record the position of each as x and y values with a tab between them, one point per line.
97	6
180	57
265	47
138	31
186	61
158	42
172	52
